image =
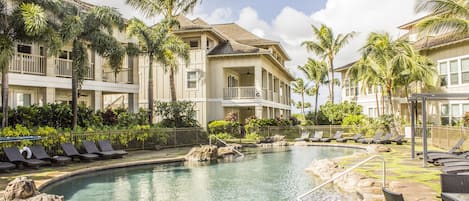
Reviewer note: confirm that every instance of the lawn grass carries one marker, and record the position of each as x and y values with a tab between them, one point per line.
399	167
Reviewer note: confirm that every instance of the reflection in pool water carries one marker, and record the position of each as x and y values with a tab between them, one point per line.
262	175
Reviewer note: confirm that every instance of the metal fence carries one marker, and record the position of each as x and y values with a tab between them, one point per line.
446	137
295	131
129	139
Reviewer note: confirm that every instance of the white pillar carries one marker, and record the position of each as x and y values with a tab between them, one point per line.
259	112
258	78
133	102
50	95
97	100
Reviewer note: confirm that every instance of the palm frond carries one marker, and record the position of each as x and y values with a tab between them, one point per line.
34	17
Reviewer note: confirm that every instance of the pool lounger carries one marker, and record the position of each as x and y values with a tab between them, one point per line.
304	136
106	146
39	153
13	155
436	157
455	169
456	147
377	136
399	140
337	135
6	166
91	148
72	152
317	136
354	138
385	140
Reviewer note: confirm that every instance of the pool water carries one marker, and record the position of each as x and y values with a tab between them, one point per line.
262	175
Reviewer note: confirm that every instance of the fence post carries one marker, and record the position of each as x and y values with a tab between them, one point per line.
196	136
175	137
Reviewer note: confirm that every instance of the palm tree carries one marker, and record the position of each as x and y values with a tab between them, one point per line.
315	71
300	87
94	28
394	64
26	22
157	43
327	45
445	15
170	9
368	78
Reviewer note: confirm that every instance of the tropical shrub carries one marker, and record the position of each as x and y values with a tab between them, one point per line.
253	136
321	119
179	114
337	112
222	126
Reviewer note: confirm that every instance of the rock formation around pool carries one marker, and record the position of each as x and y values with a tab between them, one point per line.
368	189
203	153
24	189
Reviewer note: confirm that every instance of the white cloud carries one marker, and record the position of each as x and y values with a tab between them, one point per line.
249	19
219	15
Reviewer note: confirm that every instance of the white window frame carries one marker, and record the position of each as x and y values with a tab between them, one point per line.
22	91
448	75
196	80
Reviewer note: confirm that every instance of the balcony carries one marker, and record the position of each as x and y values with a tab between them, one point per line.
125	76
28	64
63	68
236	93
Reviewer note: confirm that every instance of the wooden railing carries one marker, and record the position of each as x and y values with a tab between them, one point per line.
239	93
28	64
63	68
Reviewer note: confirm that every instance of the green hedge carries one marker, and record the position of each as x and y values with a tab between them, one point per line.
222	126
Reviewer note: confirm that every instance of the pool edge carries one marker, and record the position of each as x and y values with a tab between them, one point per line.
109	167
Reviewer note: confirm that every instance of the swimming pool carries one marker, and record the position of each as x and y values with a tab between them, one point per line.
262	175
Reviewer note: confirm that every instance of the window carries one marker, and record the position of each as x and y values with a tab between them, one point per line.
191	80
65	55
443	67
23	99
444	114
347	87
465	70
26	49
455	114
454	74
194	43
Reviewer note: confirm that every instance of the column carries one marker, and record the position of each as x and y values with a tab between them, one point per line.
98	68
268	113
258	81
259	112
50	66
132	102
50	95
97	102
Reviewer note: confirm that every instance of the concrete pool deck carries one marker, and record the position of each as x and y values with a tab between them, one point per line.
403	174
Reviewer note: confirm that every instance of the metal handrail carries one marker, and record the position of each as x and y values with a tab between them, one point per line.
300	198
234	149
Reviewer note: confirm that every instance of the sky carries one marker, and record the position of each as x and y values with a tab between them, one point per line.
289	21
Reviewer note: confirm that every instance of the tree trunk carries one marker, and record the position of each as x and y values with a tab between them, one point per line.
74	97
172	85
150	91
303	105
316	107
332	80
377	101
5	96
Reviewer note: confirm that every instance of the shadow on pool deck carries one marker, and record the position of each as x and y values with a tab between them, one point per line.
48	172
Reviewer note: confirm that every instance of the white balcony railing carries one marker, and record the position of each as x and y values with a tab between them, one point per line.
276	97
239	93
63	68
124	76
28	64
